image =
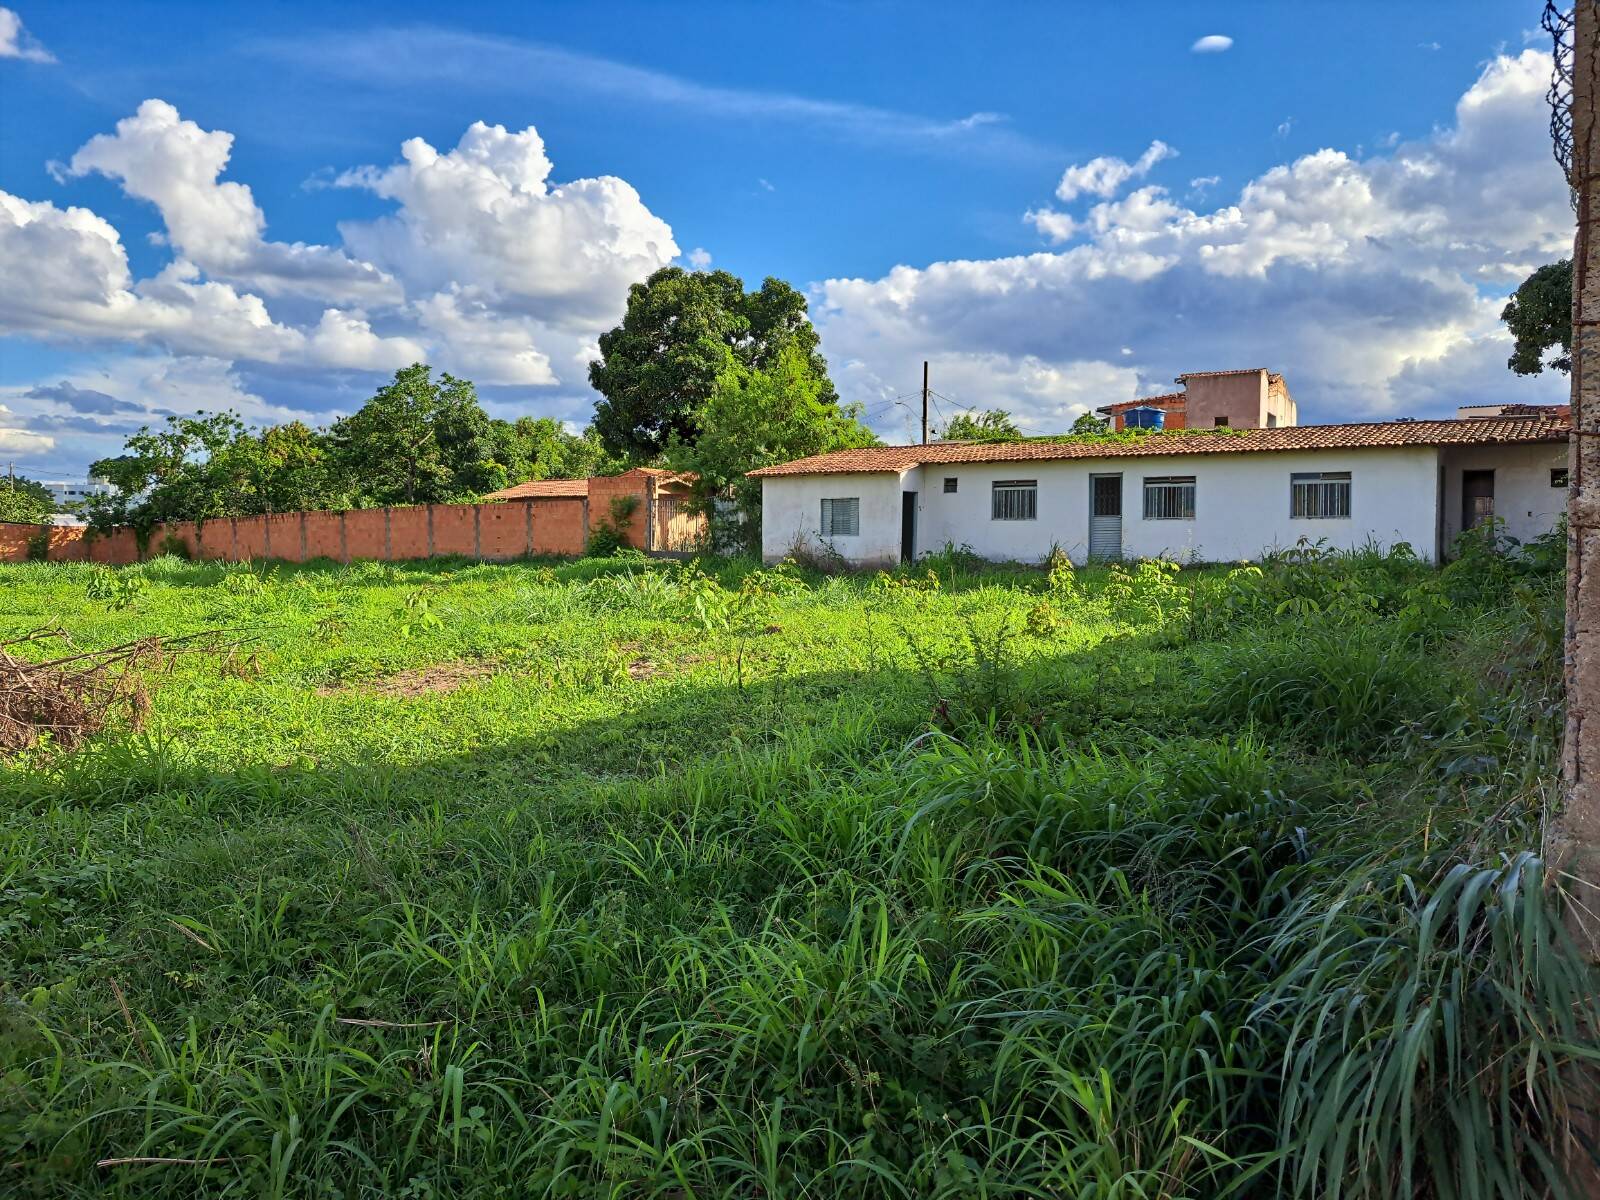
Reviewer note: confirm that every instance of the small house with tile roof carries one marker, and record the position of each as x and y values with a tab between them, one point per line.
1226	491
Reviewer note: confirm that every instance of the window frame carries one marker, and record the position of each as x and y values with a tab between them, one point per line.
950	484
1159	487
1565	477
1318	480
1025	493
828	519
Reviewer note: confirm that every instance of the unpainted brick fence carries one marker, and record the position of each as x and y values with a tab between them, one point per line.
501	530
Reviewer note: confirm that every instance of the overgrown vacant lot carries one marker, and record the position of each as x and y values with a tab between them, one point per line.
627	879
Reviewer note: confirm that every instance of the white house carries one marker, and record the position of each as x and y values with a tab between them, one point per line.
1200	494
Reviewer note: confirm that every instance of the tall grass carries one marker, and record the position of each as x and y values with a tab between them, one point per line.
1223	883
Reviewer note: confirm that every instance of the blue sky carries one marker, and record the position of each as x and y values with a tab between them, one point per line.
1345	193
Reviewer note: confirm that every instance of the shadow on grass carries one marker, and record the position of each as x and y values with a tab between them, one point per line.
1088	697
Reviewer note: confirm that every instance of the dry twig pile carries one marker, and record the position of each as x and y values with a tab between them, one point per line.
64	700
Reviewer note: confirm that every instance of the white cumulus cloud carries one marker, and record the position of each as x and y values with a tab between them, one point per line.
15	440
1212	43
485	215
176	165
486	267
1374	284
17	42
1104	175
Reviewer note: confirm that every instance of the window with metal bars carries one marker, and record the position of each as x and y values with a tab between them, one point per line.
1169	498
1015	500
950	482
1318	495
841	518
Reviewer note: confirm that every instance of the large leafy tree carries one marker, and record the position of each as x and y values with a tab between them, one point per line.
193	468
991	425
210	465
682	333
542	448
418	441
756	417
1539	315
290	469
23	500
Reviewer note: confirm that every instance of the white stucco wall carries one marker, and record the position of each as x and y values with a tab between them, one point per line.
1523	497
791	513
1241	505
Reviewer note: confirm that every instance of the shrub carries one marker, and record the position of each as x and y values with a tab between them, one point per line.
604	541
609	536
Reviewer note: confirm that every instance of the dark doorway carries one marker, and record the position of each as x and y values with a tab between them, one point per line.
908	526
1477	498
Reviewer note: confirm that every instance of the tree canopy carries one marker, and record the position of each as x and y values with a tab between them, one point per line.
417	441
1089	423
756	417
990	425
1539	315
683	331
22	500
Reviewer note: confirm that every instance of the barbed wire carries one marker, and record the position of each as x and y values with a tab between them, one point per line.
1558	25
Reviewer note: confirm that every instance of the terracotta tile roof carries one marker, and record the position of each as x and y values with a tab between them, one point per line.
1208	374
1292	437
1166	400
539	489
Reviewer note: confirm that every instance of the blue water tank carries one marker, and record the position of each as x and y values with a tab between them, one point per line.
1144	417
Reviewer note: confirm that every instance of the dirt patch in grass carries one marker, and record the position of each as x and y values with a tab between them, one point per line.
418	681
641	668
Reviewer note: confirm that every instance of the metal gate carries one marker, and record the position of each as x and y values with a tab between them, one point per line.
1105	516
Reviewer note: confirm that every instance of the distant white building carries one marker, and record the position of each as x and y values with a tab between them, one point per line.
75	491
1201	494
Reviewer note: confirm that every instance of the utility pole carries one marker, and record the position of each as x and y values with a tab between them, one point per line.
924	402
1575	835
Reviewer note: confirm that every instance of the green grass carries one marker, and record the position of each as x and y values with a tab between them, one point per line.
717	881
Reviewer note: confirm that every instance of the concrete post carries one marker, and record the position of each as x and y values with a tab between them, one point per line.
1575	835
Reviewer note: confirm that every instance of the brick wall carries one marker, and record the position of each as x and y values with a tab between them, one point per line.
509	529
602	492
